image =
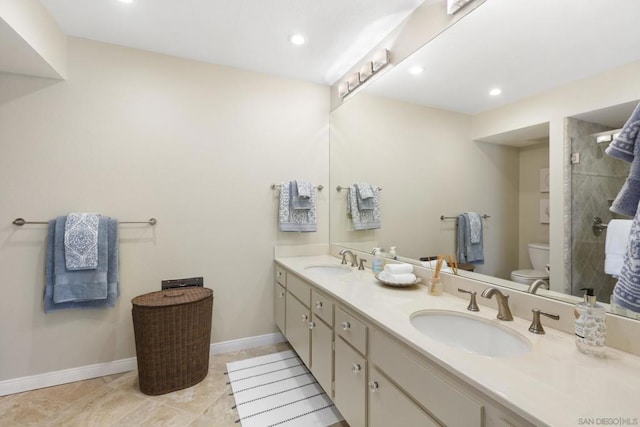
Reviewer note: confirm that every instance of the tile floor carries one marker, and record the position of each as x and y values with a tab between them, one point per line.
116	400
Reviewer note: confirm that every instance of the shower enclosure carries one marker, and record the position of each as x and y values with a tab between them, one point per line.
595	179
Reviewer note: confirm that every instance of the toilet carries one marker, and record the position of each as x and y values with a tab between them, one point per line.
539	257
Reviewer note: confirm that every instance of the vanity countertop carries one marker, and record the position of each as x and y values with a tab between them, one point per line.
554	384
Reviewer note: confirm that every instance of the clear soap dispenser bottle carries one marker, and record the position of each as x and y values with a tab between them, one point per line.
590	325
378	264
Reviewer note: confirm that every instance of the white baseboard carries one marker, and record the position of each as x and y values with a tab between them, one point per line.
245	343
49	379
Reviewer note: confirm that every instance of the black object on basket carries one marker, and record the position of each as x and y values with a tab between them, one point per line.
173	332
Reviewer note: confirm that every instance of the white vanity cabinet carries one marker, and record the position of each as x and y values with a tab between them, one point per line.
374	379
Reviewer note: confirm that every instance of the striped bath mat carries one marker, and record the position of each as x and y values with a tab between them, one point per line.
278	390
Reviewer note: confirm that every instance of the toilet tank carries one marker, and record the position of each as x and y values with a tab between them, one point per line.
539	255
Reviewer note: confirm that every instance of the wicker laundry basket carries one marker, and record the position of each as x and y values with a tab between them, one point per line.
173	331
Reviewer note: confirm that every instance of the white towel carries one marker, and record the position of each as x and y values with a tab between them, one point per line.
401	279
615	246
398	268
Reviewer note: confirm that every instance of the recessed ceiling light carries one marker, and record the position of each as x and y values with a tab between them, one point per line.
495	91
415	70
297	39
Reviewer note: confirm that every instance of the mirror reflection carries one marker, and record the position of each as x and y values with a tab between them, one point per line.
440	149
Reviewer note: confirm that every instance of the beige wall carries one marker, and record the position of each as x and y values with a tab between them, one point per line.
427	165
133	135
532	158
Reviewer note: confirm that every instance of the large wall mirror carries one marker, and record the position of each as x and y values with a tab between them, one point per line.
437	144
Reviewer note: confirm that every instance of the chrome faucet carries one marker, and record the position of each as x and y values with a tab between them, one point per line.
354	257
539	283
504	313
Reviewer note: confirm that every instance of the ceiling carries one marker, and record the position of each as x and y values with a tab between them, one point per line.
248	34
522	46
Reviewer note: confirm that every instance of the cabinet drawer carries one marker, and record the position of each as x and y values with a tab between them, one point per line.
281	276
299	288
442	399
351	330
388	406
322	307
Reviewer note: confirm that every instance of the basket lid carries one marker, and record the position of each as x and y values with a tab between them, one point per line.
172	297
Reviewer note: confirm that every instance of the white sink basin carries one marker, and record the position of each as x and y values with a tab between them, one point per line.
470	333
329	269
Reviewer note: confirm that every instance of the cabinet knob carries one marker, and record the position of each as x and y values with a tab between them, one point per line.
356	368
373	386
312	325
319	304
305	317
346	325
281	294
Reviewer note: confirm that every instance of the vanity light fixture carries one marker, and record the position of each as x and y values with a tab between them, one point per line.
495	91
416	70
297	39
368	69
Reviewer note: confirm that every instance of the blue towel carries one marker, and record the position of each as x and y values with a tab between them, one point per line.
466	251
290	219
81	241
627	147
365	196
81	285
113	275
299	201
365	219
627	291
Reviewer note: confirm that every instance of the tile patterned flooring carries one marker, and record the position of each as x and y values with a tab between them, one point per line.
116	400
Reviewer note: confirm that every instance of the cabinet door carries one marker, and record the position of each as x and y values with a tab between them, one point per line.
279	307
350	384
297	327
322	353
388	406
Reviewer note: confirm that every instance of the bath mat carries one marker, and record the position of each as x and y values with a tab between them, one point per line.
278	390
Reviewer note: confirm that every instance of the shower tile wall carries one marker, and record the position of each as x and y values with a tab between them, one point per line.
595	182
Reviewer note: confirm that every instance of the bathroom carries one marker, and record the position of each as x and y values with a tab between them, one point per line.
137	134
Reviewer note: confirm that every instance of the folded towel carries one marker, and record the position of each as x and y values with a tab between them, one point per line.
364	203
475	227
401	279
398	268
365	190
466	251
615	246
304	188
298	201
367	219
627	290
113	287
627	147
81	241
80	285
291	219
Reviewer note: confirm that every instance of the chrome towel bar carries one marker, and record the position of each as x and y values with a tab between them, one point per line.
342	187
277	186
442	217
21	221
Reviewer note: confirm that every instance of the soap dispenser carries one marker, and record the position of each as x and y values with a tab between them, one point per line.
377	265
392	253
590	325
